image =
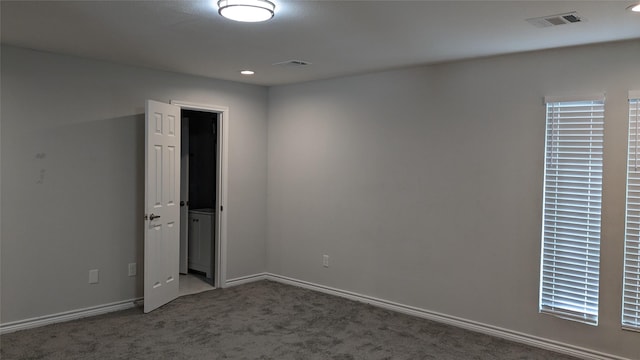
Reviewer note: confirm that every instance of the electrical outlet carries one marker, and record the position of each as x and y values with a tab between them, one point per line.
132	269
325	261
93	276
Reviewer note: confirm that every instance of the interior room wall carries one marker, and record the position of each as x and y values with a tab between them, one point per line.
72	162
424	186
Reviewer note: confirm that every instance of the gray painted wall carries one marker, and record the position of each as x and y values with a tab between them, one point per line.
424	185
72	177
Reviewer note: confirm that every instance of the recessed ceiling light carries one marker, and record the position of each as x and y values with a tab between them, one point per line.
247	72
634	8
246	10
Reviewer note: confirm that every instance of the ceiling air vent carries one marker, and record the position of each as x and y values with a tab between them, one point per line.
296	63
554	20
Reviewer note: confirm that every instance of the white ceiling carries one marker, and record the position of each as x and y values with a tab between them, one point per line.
338	37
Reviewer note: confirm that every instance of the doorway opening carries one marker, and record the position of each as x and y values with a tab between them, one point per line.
199	181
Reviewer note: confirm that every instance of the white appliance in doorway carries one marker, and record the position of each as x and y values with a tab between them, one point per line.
201	230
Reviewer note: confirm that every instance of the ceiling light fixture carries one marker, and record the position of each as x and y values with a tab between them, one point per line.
247	72
634	8
246	10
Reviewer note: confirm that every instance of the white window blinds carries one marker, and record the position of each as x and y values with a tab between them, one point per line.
570	260
631	287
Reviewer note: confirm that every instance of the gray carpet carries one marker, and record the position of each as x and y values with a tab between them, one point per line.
262	320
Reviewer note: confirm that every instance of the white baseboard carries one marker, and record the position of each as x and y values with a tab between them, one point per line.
245	279
519	337
66	316
452	320
101	309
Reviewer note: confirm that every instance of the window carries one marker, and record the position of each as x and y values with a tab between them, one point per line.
570	259
631	286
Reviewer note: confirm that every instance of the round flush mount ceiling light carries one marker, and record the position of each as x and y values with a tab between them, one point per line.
634	8
246	10
247	72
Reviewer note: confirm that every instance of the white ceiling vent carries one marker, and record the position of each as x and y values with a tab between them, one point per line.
554	20
296	63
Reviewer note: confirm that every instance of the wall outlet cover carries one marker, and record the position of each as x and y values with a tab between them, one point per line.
93	276
133	269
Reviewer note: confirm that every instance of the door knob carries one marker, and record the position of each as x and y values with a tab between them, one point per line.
153	217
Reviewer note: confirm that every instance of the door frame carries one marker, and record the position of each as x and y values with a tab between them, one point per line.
222	175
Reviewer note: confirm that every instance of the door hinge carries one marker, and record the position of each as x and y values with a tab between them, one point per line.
221	208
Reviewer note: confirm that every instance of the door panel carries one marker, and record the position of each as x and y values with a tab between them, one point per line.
162	211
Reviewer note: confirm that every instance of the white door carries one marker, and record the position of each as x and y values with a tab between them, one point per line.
162	204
